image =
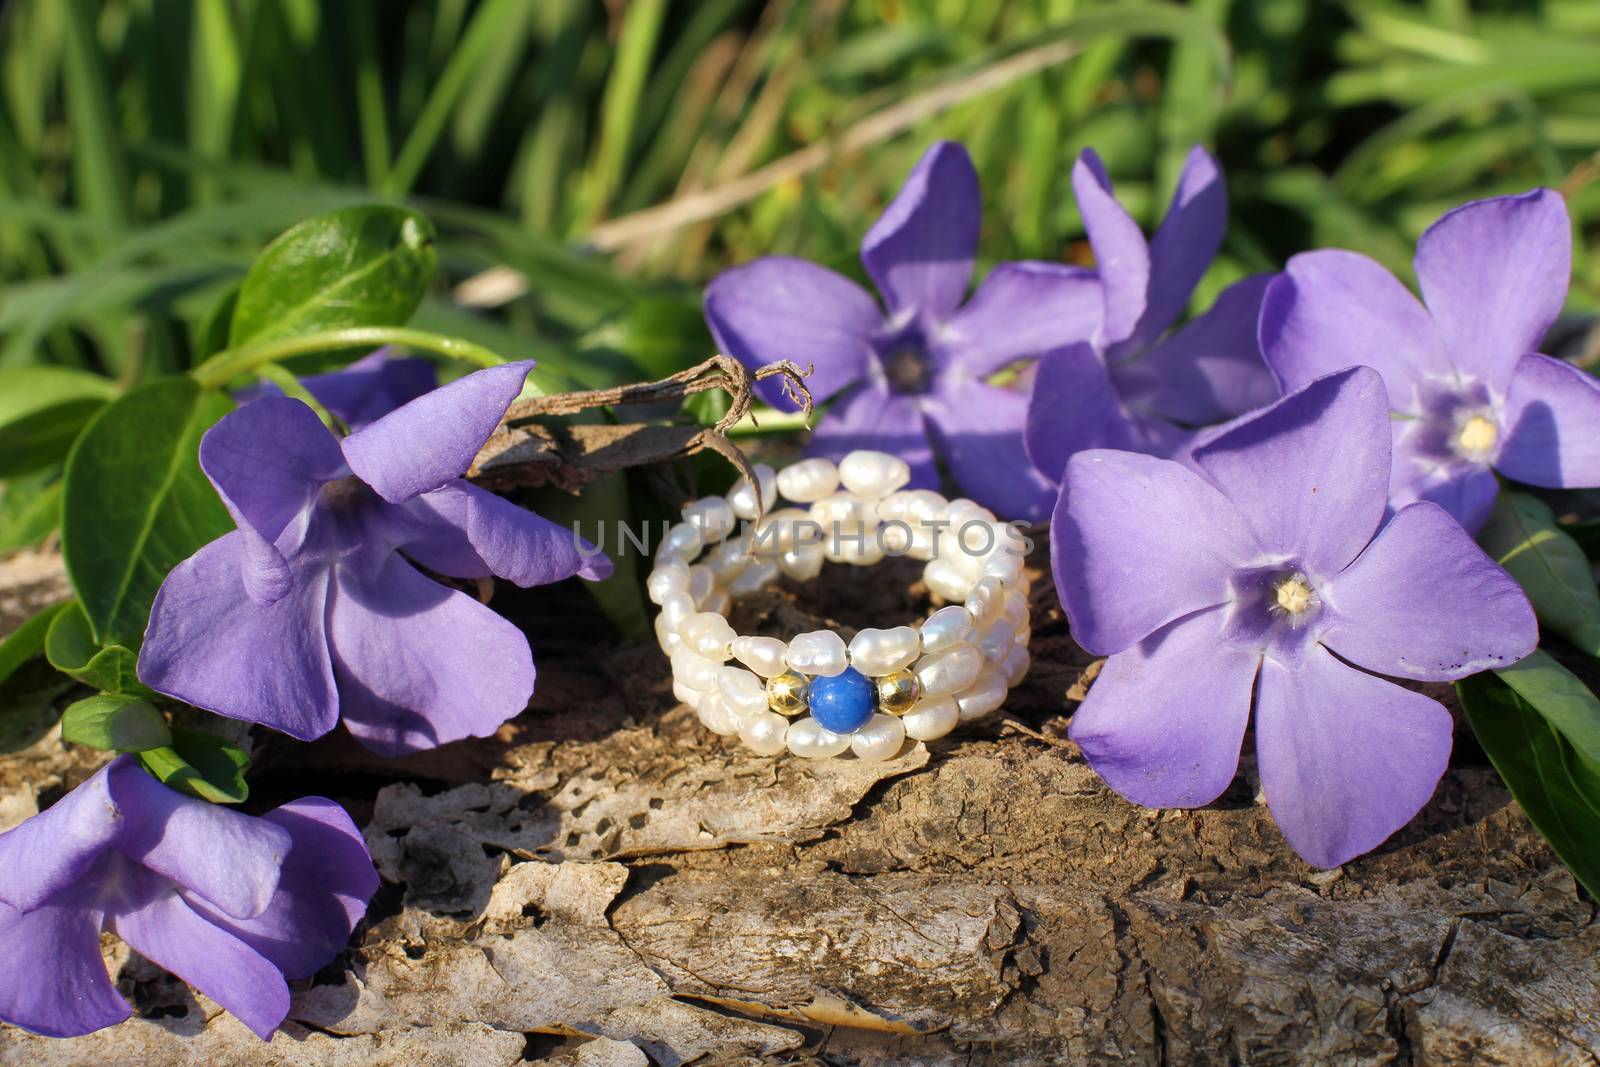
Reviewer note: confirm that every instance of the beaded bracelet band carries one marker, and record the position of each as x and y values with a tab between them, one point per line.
814	695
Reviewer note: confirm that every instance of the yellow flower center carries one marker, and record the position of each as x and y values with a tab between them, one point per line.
1477	436
1293	596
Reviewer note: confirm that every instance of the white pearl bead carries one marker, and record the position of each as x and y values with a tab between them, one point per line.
1015	609
924	542
803	562
1015	665
714	715
932	718
819	652
808	480
873	474
946	627
727	560
781	530
997	641
741	691
682	541
709	635
765	733
754	578
711	515
676	609
701	582
720	602
946	580
694	670
985	694
763	655
684	693
742	498
808	740
949	671
964	511
668	638
879	652
1006	567
850	512
895	537
667	579
986	600
859	548
879	739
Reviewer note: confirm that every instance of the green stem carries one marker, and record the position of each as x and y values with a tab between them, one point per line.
768	420
284	379
231	363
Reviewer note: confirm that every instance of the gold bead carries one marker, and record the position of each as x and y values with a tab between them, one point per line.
786	693
898	692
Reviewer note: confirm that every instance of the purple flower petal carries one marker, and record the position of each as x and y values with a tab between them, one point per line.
372	386
1494	273
323	892
52	978
47	854
467	532
1137	542
1424	602
1121	255
1465	489
1310	474
1073	407
979	431
870	416
1164	720
1553	415
268	461
418	664
363	392
1209	370
920	251
1346	759
1022	310
1186	242
1333	309
225	856
164	929
784	308
435	438
210	645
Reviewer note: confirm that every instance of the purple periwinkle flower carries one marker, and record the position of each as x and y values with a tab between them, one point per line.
915	379
312	610
1470	393
366	390
1265	573
1130	384
232	904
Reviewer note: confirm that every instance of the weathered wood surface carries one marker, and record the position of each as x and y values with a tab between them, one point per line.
603	883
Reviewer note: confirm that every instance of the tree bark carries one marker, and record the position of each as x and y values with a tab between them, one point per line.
606	883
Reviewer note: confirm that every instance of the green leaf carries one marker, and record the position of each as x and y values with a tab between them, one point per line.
1555	785
71	649
1558	695
359	266
27	640
41	411
136	502
202	765
1523	535
114	722
30	509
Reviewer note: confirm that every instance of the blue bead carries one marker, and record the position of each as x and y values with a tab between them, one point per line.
844	702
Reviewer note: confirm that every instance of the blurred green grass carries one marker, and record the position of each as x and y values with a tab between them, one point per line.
149	147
